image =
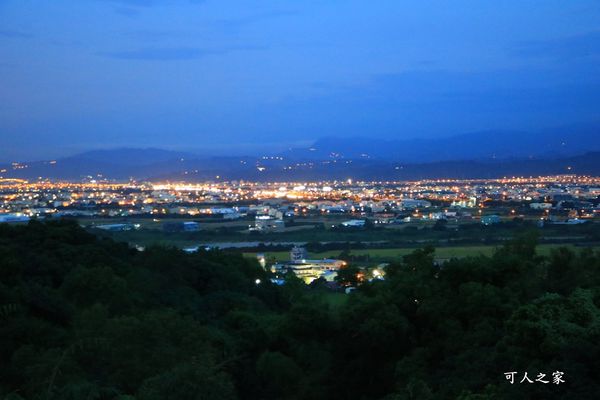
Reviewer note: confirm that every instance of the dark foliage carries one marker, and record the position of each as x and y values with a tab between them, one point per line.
89	318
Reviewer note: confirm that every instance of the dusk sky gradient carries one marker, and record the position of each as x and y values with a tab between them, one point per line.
240	76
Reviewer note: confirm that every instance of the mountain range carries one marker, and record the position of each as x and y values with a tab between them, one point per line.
490	154
560	141
250	168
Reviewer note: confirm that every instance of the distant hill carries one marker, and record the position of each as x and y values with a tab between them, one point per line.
486	145
472	155
153	164
119	163
131	156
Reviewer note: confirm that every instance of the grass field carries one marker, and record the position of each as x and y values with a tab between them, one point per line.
387	255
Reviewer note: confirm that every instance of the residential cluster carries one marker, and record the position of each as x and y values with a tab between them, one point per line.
266	206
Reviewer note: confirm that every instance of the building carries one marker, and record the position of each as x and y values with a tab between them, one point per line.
118	227
265	223
465	203
12	218
570	221
436	216
298	254
191	226
262	260
490	219
227	213
561	196
414	203
188	226
309	270
540	206
355	223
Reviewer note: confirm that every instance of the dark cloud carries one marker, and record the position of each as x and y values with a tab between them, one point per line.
574	47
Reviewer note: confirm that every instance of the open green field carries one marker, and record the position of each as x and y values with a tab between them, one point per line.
387	255
408	235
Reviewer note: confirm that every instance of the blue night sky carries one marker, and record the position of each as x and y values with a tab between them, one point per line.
247	76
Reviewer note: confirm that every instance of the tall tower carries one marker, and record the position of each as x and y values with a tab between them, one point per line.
262	260
297	254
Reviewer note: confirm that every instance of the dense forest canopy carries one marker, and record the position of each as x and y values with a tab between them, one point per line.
83	317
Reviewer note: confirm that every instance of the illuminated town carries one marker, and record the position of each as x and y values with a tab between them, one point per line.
575	197
245	214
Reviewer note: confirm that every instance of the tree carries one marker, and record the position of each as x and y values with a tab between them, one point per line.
190	381
280	376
